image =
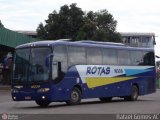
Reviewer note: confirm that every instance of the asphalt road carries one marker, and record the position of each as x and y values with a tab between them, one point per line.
148	104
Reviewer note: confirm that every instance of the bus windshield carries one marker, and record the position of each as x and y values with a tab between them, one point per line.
30	65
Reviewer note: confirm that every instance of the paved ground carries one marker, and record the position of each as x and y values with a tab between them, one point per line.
148	104
145	104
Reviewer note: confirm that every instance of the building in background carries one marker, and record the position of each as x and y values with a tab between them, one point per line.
138	39
32	34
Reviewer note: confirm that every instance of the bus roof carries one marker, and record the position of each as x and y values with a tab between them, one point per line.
86	43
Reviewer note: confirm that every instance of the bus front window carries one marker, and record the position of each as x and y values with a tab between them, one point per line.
30	65
21	65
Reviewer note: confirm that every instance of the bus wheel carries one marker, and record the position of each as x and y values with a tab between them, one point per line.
43	103
106	99
75	97
134	94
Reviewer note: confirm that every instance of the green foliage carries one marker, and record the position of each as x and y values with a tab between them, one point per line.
87	30
72	22
41	31
1	25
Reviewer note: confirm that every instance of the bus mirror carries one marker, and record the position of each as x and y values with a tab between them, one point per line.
54	70
48	60
59	68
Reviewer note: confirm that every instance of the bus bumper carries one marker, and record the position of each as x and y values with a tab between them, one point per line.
30	96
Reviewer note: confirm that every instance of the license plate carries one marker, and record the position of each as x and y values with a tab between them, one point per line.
27	98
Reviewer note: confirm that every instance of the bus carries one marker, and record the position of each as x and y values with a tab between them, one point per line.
67	71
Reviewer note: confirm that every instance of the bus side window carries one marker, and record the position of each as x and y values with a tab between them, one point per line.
76	55
136	58
109	57
94	56
60	55
124	57
148	58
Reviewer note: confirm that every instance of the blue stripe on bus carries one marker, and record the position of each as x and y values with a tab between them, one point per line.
130	72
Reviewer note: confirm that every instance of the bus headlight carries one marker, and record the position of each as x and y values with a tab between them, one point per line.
43	90
14	91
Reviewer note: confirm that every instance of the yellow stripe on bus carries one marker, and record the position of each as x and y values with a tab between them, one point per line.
99	81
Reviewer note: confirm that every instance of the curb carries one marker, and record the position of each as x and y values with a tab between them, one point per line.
5	87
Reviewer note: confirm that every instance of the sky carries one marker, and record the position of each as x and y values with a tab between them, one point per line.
131	15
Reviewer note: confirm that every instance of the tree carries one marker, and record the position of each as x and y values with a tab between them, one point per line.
41	31
107	25
72	22
64	24
1	25
103	27
87	30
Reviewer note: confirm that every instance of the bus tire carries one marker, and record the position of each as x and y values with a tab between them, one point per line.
75	97
42	103
134	94
105	99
